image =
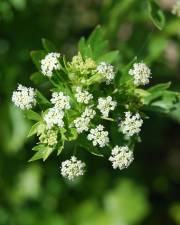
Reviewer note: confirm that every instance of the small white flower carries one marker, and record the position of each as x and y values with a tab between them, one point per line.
54	117
24	97
121	157
176	8
98	136
50	63
60	100
105	105
83	96
131	124
107	70
72	168
89	113
82	123
141	73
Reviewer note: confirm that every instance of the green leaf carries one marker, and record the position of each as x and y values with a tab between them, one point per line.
85	49
42	100
62	140
122	76
38	78
97	42
82	46
95	46
109	57
83	142
99	50
60	147
156	92
42	153
175	114
72	134
167	102
159	87
48	45
156	15
36	156
96	36
62	132
38	147
31	115
47	152
34	129
37	56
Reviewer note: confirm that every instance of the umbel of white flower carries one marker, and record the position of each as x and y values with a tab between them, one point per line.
82	123
60	100
176	8
131	124
50	63
105	105
53	117
24	98
89	112
107	71
83	96
98	136
141	73
121	157
72	168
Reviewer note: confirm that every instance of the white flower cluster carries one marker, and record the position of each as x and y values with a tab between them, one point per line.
98	136
83	96
50	63
72	168
141	73
176	8
82	123
121	157
105	105
107	70
89	112
24	97
60	100
132	124
54	117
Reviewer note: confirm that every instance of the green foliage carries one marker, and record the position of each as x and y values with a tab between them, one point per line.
159	99
31	115
43	152
96	47
156	15
156	92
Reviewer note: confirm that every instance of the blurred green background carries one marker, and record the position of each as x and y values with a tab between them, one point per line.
148	192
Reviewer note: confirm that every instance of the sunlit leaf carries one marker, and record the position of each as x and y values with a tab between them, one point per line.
32	115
